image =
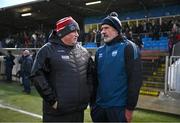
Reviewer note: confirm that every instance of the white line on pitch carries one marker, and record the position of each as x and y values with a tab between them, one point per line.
21	111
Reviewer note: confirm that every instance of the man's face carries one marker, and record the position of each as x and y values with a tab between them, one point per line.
25	53
108	32
71	38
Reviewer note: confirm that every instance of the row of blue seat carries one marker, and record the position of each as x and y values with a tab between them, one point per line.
150	44
90	45
159	45
150	39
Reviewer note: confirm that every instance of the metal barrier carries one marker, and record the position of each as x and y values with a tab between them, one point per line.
173	75
17	53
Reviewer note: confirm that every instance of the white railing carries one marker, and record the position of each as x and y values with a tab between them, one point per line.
17	53
173	74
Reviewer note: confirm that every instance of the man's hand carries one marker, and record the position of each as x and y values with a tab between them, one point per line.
128	114
55	105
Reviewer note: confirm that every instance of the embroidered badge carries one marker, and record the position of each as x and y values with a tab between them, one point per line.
114	53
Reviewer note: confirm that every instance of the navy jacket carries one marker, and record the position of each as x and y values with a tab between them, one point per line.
9	61
118	71
26	65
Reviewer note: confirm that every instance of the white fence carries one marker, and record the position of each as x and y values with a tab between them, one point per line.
174	74
17	53
15	69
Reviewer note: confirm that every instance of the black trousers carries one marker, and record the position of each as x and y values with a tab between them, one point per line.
113	114
69	117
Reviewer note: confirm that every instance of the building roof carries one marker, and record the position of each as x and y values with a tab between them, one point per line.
47	12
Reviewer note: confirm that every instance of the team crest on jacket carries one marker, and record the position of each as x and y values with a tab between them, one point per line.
114	53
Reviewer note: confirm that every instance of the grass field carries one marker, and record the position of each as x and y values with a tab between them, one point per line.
11	94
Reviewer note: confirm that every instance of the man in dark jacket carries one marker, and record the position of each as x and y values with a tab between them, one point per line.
118	72
62	74
9	63
26	62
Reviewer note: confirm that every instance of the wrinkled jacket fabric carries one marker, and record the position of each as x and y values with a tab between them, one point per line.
64	74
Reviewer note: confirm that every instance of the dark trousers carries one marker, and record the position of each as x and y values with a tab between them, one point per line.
69	117
26	83
8	73
113	114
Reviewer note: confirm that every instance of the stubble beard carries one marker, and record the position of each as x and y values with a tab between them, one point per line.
107	39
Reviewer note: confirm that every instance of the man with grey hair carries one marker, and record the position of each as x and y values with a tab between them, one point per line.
26	65
118	74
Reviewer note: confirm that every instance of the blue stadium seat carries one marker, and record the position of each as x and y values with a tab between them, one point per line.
90	45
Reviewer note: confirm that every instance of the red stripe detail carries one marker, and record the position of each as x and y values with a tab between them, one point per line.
63	22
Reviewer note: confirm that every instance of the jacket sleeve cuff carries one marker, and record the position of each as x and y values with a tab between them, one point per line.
131	108
52	102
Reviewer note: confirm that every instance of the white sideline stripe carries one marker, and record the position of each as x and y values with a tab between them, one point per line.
21	111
